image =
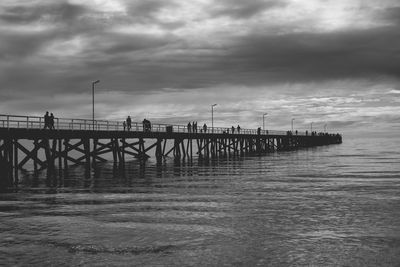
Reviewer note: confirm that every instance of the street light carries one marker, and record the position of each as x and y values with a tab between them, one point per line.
93	83
292	124
263	120
212	117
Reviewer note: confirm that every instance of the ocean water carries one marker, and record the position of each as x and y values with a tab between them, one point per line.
335	205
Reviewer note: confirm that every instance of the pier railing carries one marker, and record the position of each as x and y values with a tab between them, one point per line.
35	122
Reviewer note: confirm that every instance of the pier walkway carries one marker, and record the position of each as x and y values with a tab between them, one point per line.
84	141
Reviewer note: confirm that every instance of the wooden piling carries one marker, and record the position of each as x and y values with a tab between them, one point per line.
15	162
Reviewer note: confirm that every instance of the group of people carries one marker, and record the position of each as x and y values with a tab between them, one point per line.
232	129
192	127
127	123
313	133
146	125
48	121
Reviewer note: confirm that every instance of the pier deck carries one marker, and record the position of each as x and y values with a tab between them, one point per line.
80	141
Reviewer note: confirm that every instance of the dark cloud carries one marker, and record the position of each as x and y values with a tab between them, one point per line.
55	22
314	56
239	9
54	12
391	15
143	62
262	59
127	43
22	45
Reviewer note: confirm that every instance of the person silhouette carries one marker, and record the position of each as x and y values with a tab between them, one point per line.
129	123
46	120
51	121
238	129
205	128
233	130
189	127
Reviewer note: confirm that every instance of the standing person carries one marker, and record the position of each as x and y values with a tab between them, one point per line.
129	123
189	127
51	121
233	130
46	120
124	124
238	128
205	128
194	127
144	125
148	125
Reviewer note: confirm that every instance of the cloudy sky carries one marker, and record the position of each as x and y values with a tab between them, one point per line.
334	62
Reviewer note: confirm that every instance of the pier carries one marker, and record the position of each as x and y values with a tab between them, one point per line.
24	141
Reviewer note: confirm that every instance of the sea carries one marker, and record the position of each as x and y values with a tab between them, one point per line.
336	205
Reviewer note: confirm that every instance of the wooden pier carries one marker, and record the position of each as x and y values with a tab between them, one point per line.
85	142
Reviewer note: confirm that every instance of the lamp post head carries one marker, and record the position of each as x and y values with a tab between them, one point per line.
265	114
97	81
213	105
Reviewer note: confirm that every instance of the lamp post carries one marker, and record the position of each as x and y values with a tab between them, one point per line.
264	120
292	124
93	83
212	117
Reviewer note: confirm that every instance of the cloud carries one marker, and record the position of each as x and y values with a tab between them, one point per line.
321	61
153	13
167	60
41	12
238	9
146	11
390	14
319	56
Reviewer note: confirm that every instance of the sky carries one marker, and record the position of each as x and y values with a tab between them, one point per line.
333	63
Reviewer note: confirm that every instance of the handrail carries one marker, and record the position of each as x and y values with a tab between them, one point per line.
36	122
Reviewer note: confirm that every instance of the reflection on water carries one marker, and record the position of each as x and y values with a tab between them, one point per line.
327	206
